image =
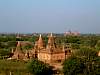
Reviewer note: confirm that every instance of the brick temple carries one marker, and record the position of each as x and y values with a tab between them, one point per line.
48	53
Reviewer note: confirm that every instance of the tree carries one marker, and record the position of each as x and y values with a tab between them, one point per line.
86	52
81	66
73	66
97	46
85	62
27	47
38	68
4	53
75	46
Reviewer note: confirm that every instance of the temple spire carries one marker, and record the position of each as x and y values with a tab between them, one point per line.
40	35
18	53
40	42
51	42
51	35
40	38
51	39
18	46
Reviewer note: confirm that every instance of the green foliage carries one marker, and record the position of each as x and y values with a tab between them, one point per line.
73	66
72	39
82	66
8	45
89	41
86	52
75	46
38	68
27	47
4	52
7	38
13	66
84	46
45	39
84	62
32	39
97	46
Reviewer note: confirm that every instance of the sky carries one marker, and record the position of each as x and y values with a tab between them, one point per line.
29	16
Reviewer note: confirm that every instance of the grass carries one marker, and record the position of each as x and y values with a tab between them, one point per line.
13	66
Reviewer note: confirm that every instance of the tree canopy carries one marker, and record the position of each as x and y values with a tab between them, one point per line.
84	62
39	68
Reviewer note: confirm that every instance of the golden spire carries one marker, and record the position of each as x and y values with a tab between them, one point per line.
40	38
40	42
18	54
18	45
51	34
51	42
51	39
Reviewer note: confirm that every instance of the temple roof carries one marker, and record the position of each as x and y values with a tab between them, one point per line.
51	42
53	51
51	39
40	42
18	48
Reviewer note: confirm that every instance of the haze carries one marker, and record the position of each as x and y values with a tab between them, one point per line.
27	16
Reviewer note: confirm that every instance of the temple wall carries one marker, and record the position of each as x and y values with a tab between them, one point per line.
45	57
59	56
49	58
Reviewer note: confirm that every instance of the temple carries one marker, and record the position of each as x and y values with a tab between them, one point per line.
18	53
50	53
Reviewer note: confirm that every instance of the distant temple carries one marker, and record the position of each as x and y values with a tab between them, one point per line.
71	33
18	53
50	53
